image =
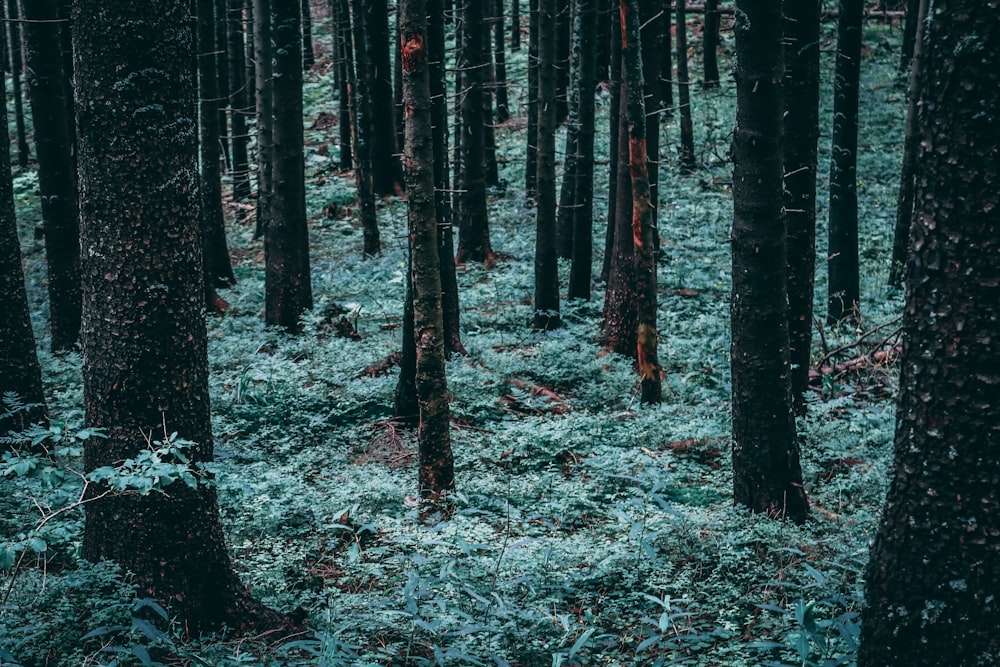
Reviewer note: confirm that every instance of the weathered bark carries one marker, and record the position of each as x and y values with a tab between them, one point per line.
361	107
911	145
145	364
766	473
710	44
239	99
308	57
546	302
16	69
287	283
473	230
437	474
687	158
643	213
531	155
56	169
264	101
844	284
19	369
799	158
931	584
387	170
499	65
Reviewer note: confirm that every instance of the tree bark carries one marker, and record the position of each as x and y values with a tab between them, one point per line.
364	157
614	122
56	169
264	102
239	99
16	69
308	57
911	26
387	170
766	473
344	53
500	65
931	584
710	44
687	158
145	364
531	155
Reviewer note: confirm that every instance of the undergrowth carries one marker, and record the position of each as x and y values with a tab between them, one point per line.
587	530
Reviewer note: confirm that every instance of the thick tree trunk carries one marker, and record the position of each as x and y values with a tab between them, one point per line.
437	475
799	156
56	169
264	86
239	99
687	158
145	364
546	302
19	369
766	473
931	585
710	43
16	69
843	285
361	105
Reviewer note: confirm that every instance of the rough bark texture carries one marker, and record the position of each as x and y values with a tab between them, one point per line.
437	474
264	85
799	156
19	370
931	585
710	44
145	365
287	284
50	114
361	105
16	68
687	158
546	302
766	473
643	213
239	99
844	287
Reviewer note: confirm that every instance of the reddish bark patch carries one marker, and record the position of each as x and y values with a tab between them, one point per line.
414	51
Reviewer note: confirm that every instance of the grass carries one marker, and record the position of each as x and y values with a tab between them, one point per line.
588	530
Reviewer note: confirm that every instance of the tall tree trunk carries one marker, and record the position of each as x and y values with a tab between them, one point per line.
666	63
710	43
931	584
844	289
499	64
515	25
614	116
264	85
799	156
308	57
239	99
19	369
687	158
341	13
651	36
911	27
437	475
364	158
145	363
531	155
287	283
16	69
766	473
56	169
224	88
546	302
562	28
911	145
387	170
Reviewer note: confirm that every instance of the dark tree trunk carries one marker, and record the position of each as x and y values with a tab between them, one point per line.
361	105
344	53
405	406
145	364
931	584
264	85
667	63
614	116
437	475
798	147
687	159
397	92
16	69
287	284
224	88
844	290
473	231
710	43
562	27
643	213
651	36
499	65
19	370
910	30
582	125
308	58
546	302
766	473
218	268
515	25
56	169
239	99
605	8
911	145
387	170
490	166
531	155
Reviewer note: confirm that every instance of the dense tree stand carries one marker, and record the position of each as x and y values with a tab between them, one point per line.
144	340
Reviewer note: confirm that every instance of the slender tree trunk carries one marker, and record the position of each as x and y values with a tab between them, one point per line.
264	85
562	28
405	405
651	36
515	25
500	64
437	475
308	57
19	369
341	13
766	473
546	302
145	363
614	117
287	283
531	157
490	166
667	63
687	158
911	146
582	178
224	88
239	100
16	69
56	169
910	30
363	150
397	90
844	288
799	155
931	584
387	170
710	43
605	8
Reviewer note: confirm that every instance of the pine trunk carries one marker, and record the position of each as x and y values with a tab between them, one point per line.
387	170
499	65
239	99
264	85
614	120
16	69
687	158
364	157
710	43
308	58
531	155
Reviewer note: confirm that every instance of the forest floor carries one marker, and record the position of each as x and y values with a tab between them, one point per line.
588	529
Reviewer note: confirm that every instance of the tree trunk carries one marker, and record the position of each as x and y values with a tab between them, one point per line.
19	369
614	120
911	27
239	100
666	64
437	475
145	363
287	284
911	145
56	169
687	158
799	156
931	584
264	85
16	69
766	473
224	88
546	302
387	170
710	43
515	25
499	65
844	290
363	150
531	155
562	28
344	53
651	36
308	58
